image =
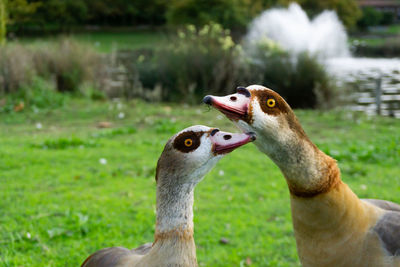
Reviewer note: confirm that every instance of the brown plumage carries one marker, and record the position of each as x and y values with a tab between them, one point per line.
332	226
186	158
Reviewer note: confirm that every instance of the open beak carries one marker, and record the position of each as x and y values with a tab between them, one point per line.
224	142
234	106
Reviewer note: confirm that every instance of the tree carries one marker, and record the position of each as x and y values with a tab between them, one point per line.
3	21
370	17
16	11
232	14
20	11
347	10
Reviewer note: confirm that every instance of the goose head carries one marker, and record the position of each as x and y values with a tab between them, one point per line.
263	111
194	151
280	136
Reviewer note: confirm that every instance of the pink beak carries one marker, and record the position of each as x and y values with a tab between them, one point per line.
234	106
225	142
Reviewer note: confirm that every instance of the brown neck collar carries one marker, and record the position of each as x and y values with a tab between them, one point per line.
329	179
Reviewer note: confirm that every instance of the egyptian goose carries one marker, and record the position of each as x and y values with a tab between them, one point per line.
332	226
187	157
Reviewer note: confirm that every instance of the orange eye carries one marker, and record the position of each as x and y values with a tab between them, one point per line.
271	103
188	142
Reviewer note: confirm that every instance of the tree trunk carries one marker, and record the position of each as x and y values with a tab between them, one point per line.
3	21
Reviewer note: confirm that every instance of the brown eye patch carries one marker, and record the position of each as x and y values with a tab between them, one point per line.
270	102
187	141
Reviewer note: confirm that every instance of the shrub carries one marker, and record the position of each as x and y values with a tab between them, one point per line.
207	61
390	48
388	18
370	17
16	68
32	75
70	62
300	79
195	62
231	14
39	94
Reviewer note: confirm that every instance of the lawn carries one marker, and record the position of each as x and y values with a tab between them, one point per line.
105	42
367	41
59	203
385	30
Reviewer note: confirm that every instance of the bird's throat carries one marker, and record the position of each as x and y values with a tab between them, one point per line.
174	226
308	171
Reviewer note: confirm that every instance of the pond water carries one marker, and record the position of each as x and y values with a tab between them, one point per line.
366	75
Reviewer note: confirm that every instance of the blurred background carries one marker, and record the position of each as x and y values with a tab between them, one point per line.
90	91
178	50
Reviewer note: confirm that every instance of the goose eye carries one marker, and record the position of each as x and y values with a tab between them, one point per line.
188	142
271	103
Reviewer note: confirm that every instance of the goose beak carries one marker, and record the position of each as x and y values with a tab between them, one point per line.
224	142
234	106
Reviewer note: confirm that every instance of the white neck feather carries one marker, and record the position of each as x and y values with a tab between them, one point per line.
174	244
298	159
174	207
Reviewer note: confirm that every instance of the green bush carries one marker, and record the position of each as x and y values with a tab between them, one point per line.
388	18
231	14
195	62
31	75
390	48
70	63
207	61
16	68
38	95
370	17
300	79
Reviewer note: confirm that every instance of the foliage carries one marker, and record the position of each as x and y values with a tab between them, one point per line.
389	47
188	64
195	61
63	15
3	21
38	95
347	10
388	18
72	63
370	17
300	79
16	68
30	74
126	12
14	12
208	60
60	205
373	17
231	14
55	15
20	11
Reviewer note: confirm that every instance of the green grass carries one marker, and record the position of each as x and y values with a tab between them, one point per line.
385	30
107	41
382	34
59	204
394	29
368	41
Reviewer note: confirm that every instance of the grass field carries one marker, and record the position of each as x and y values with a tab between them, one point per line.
390	29
59	203
107	41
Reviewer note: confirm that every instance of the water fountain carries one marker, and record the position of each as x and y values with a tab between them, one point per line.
325	37
295	32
